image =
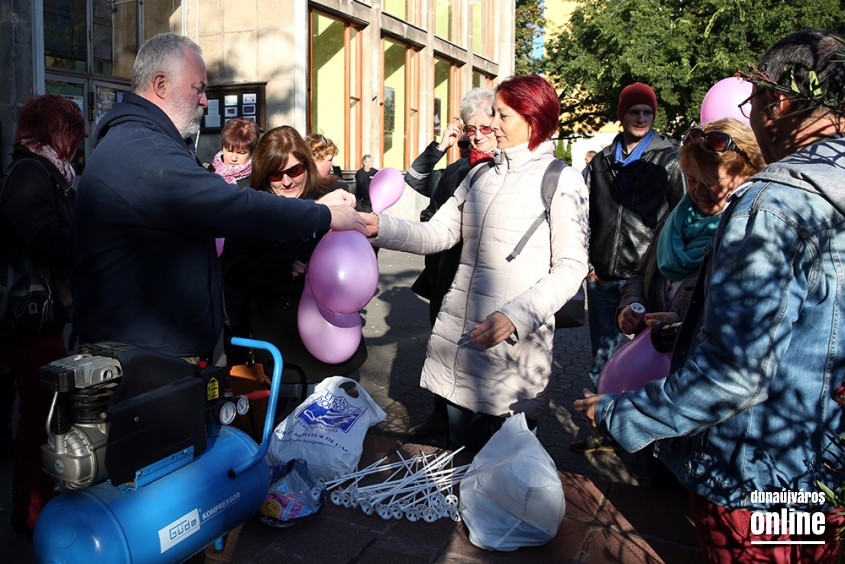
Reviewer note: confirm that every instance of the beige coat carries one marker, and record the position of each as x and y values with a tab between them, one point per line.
513	376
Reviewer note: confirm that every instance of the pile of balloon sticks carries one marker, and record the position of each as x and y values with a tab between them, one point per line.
414	490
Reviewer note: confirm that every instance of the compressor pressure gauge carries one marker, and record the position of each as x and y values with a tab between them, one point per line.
243	405
225	412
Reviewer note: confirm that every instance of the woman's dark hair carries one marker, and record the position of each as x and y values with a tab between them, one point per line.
240	133
272	153
53	121
533	98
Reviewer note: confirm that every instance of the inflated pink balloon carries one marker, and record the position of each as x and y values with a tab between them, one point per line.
634	365
343	271
219	243
723	99
386	188
327	342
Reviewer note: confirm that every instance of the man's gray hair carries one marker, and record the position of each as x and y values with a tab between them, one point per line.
164	53
476	100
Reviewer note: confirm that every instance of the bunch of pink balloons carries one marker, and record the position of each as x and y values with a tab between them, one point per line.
723	100
634	365
342	278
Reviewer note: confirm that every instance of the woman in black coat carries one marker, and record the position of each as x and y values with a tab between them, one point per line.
36	219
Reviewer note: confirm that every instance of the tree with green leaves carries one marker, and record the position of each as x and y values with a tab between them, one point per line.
529	23
681	49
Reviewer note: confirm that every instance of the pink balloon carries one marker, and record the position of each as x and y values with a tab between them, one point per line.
634	365
723	99
219	242
327	342
343	271
386	188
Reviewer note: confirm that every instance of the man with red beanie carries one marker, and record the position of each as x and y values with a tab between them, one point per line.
633	183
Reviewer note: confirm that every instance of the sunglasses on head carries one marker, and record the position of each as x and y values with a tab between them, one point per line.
717	141
292	172
463	144
484	129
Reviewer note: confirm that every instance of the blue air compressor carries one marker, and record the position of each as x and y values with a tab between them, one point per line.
138	442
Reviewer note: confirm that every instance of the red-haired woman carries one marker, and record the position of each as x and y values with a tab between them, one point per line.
490	352
36	217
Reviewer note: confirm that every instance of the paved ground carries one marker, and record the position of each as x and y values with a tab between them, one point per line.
396	332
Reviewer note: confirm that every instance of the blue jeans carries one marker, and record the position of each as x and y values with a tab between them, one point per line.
602	301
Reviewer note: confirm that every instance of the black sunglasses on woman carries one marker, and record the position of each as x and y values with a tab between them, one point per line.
717	141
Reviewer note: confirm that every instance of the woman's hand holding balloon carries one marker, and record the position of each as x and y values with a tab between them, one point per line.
493	330
653	319
629	321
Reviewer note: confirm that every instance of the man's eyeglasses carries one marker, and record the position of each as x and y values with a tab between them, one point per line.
717	141
292	172
471	129
745	105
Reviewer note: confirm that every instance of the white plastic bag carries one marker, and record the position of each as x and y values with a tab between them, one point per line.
511	495
327	429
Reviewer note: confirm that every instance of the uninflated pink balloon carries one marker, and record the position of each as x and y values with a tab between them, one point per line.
327	342
386	188
343	271
634	365
724	98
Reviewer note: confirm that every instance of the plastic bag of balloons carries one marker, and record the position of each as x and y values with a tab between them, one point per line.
327	429
293	496
633	365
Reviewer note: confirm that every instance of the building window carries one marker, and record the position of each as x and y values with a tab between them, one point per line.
336	86
400	103
481	23
443	19
113	34
397	8
479	79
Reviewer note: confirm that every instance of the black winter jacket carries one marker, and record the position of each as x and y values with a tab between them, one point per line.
622	222
147	212
36	217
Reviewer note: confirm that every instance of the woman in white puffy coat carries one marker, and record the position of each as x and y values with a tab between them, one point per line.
490	352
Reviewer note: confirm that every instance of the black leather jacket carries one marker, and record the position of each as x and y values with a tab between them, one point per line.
622	222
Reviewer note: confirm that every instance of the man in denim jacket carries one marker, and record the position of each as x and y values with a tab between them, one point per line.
752	410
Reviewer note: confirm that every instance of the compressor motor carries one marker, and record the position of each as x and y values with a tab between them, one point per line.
130	414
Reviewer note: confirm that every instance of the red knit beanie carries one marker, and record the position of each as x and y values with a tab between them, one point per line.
633	94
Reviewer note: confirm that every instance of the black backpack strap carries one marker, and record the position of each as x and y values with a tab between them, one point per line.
547	192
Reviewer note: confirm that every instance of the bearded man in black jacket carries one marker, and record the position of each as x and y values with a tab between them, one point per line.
146	270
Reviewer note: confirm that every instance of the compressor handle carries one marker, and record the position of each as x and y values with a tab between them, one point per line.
271	407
